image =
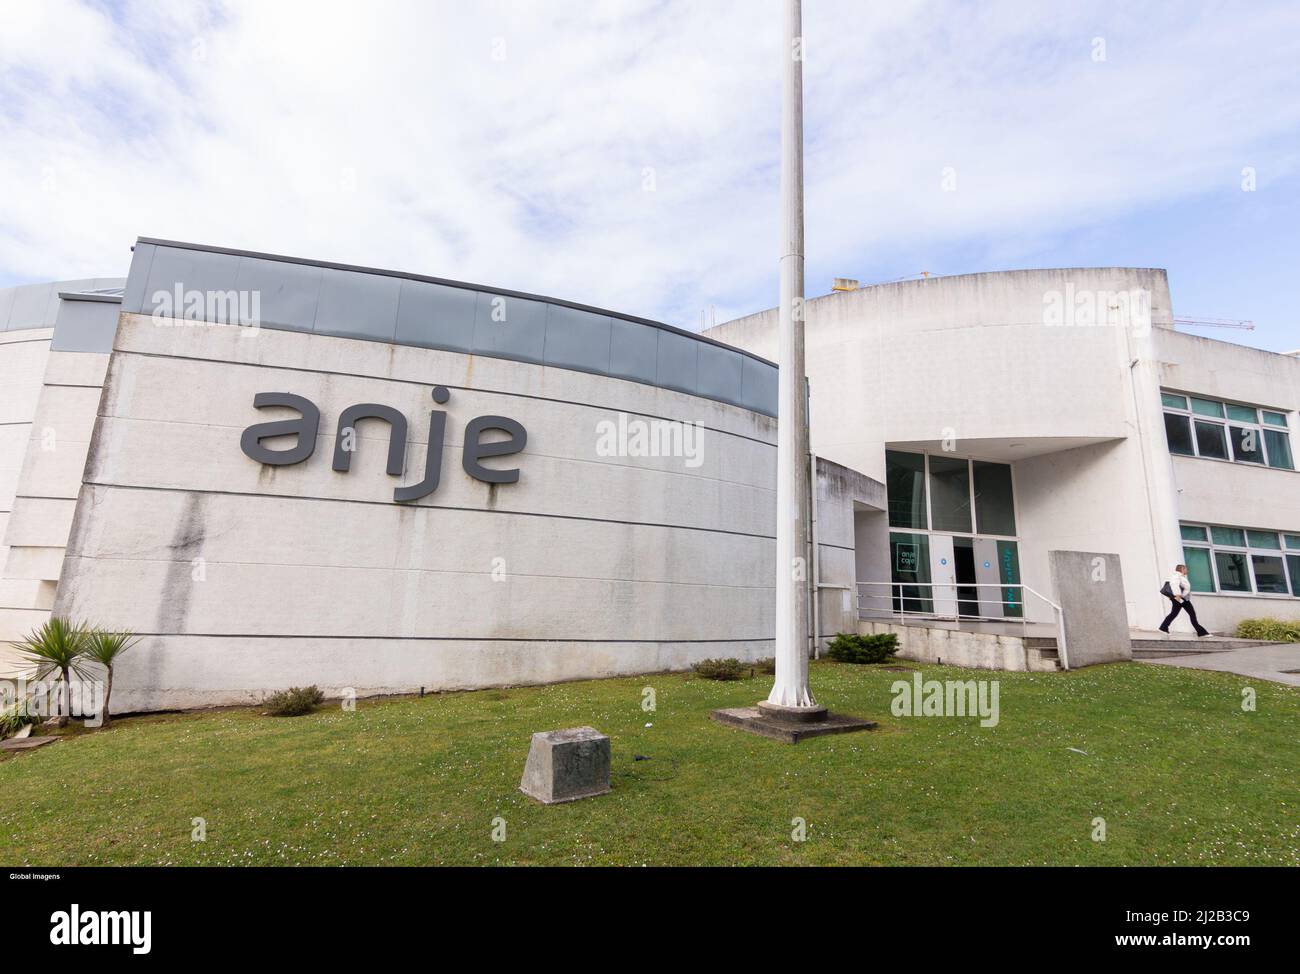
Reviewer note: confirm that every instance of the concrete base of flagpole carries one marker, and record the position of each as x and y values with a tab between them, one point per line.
790	724
794	715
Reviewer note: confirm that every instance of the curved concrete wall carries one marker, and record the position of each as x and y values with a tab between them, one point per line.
244	578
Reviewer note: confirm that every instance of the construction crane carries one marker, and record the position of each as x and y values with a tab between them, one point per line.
1214	323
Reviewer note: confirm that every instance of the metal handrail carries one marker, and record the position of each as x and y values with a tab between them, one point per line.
958	615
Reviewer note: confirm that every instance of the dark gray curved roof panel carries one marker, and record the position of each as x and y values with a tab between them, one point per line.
435	316
409	309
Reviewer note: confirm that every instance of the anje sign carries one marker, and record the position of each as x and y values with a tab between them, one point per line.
307	426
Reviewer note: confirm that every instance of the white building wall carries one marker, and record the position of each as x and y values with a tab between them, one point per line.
48	401
23	357
1235	494
974	366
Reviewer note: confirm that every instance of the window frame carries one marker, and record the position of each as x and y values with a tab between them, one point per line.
1250	551
973	495
1226	426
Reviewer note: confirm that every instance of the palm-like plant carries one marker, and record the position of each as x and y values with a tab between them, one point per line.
56	647
104	648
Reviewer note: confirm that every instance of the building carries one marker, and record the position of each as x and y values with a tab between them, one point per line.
1016	413
280	471
462	486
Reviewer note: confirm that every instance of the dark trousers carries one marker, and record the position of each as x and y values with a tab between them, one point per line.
1184	606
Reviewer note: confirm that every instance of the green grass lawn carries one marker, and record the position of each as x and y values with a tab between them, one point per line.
1178	771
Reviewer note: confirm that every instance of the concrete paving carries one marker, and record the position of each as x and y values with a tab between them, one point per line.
1262	662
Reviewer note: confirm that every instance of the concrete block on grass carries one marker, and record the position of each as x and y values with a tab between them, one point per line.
566	765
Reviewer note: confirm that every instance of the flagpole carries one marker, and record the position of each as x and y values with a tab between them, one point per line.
790	689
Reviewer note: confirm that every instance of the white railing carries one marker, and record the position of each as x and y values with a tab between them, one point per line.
948	605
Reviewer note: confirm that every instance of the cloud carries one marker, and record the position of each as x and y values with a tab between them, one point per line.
619	153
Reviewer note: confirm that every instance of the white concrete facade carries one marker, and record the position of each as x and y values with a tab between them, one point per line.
127	500
48	399
1022	368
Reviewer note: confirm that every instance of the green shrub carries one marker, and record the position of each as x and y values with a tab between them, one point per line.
15	718
1277	630
767	666
720	669
293	702
849	647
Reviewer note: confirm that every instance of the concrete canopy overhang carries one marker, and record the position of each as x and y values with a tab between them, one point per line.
1002	449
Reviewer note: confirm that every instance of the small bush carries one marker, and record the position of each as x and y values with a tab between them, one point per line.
16	718
767	666
849	647
1277	630
293	702
720	669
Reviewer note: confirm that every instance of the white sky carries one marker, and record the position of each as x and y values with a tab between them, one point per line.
623	152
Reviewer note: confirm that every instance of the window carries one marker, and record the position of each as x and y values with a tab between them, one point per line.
1246	445
909	560
1232	431
1278	445
938	493
1009	575
1210	441
1241	560
1199	572
1178	431
1270	575
1228	536
905	488
950	494
995	508
1231	567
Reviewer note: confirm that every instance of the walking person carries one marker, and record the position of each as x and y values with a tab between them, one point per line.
1177	589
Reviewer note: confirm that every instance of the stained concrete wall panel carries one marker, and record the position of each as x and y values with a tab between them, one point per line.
611	564
13	446
53	472
76	369
14	625
26	594
164	389
22	368
40	522
178	671
65	412
235	599
33	563
141	524
191	457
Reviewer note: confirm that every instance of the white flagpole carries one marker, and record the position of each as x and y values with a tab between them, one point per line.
792	469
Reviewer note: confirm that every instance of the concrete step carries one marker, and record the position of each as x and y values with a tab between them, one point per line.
1156	648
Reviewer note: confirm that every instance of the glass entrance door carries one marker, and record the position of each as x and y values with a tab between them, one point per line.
952	566
968	600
